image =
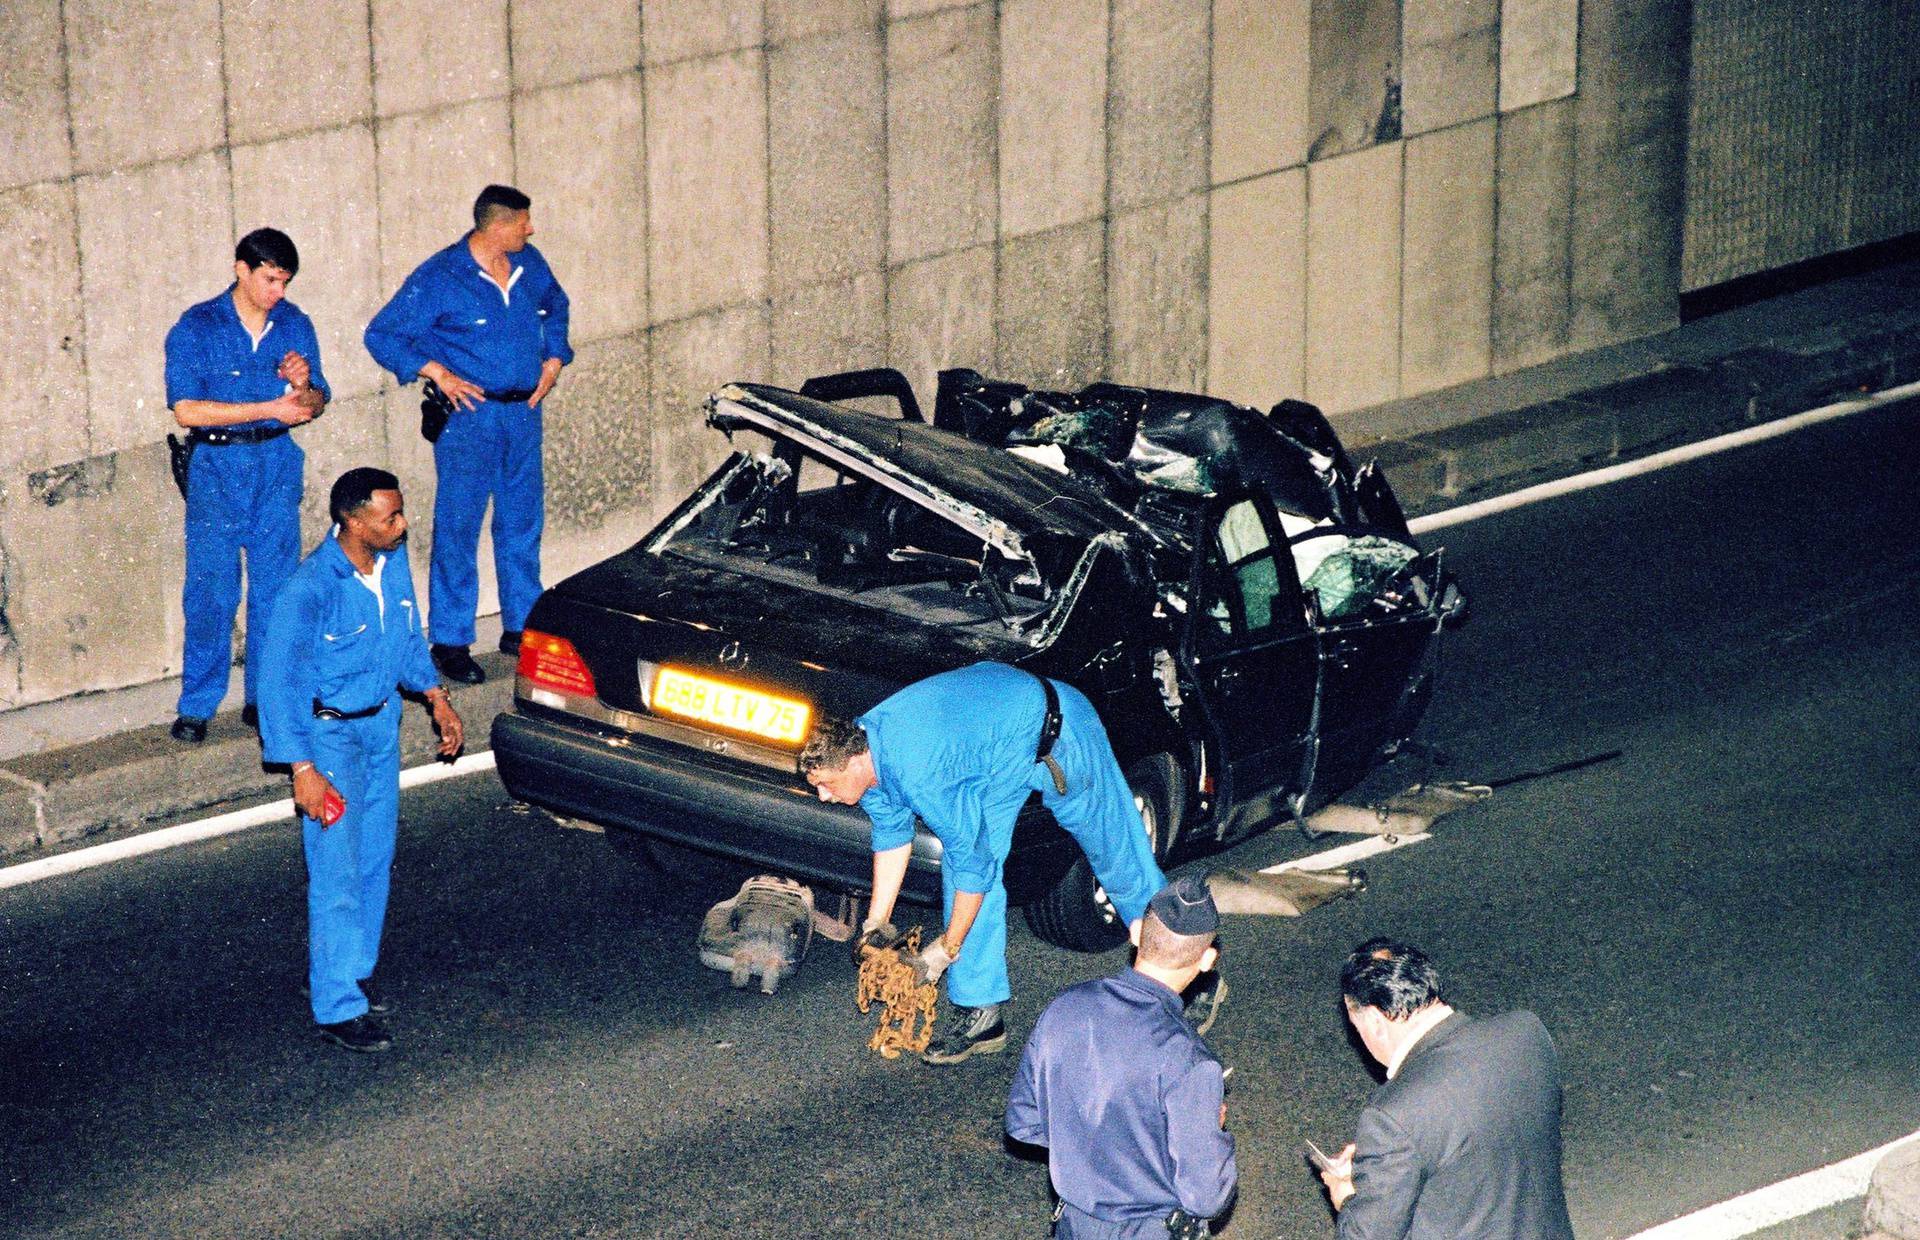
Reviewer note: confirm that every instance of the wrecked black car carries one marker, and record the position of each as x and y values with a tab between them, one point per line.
1244	606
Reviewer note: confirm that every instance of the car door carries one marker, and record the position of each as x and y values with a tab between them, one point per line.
1253	661
1374	664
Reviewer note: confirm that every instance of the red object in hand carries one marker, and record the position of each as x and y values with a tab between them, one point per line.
333	807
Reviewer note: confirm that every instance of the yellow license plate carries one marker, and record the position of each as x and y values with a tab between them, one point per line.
730	706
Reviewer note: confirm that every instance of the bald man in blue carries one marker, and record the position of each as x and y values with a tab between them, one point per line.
961	750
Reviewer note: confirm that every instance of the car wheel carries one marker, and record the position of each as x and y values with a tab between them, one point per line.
1076	914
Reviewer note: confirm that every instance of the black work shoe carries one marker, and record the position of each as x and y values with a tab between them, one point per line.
362	1033
967	1031
510	642
250	715
1204	1000
456	664
187	728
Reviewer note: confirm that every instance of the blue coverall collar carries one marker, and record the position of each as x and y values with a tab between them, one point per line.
335	556
1138	982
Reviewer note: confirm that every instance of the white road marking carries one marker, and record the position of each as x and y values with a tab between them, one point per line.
211	828
1659	460
1778	1203
1347	854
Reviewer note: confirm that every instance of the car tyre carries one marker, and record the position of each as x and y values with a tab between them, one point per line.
1076	914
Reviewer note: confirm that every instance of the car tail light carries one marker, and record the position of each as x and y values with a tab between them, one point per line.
550	665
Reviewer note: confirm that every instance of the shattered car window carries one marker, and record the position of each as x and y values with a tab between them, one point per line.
782	512
1243	593
1358	573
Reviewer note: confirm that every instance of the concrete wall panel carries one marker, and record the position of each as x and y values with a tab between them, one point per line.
684	29
1051	307
352	432
430	168
1257	290
1160	103
1532	269
1446	301
1260	75
1353	279
33	96
90	590
788	20
1539	51
691	358
146	257
1354	92
339	281
898	9
599	446
43	378
1157	295
558	41
1053	113
429	53
941	81
940	314
827	164
1629	188
707	183
141	84
589	198
829	327
267	47
1452	62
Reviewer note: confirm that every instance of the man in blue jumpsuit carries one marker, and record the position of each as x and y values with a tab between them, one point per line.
485	321
959	750
242	369
345	637
1128	1100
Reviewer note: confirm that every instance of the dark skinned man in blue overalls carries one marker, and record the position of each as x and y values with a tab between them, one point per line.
484	322
345	638
243	369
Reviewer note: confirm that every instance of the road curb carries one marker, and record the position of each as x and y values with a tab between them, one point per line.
1893	1196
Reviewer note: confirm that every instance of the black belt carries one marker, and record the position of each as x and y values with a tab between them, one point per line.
1049	733
514	396
219	436
322	711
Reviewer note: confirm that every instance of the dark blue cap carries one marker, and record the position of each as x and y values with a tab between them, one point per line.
1185	906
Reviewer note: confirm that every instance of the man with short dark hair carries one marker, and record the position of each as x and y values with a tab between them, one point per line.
1126	1097
484	322
962	751
345	638
1463	1140
243	368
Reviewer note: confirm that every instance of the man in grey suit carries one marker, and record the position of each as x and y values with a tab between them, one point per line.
1463	1140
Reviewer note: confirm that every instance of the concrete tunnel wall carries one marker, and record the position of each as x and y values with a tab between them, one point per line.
1349	200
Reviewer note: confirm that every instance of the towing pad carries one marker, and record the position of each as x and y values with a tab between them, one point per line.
763	930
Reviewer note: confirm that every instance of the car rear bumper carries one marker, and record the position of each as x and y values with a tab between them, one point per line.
685	799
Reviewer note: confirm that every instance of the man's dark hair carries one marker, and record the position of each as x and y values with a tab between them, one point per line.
1160	945
1394	977
834	743
497	200
354	489
268	245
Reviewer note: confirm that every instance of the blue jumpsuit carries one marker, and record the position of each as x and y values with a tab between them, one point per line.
450	311
1126	1098
958	750
333	641
240	496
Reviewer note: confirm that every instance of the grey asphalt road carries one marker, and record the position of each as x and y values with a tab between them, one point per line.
1719	927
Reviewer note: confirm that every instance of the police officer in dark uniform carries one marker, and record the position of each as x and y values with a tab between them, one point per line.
1128	1100
484	322
243	368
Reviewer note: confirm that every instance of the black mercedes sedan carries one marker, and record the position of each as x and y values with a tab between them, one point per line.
1246	609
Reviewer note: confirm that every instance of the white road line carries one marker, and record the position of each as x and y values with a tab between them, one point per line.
210	828
1347	854
1777	1203
1659	460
